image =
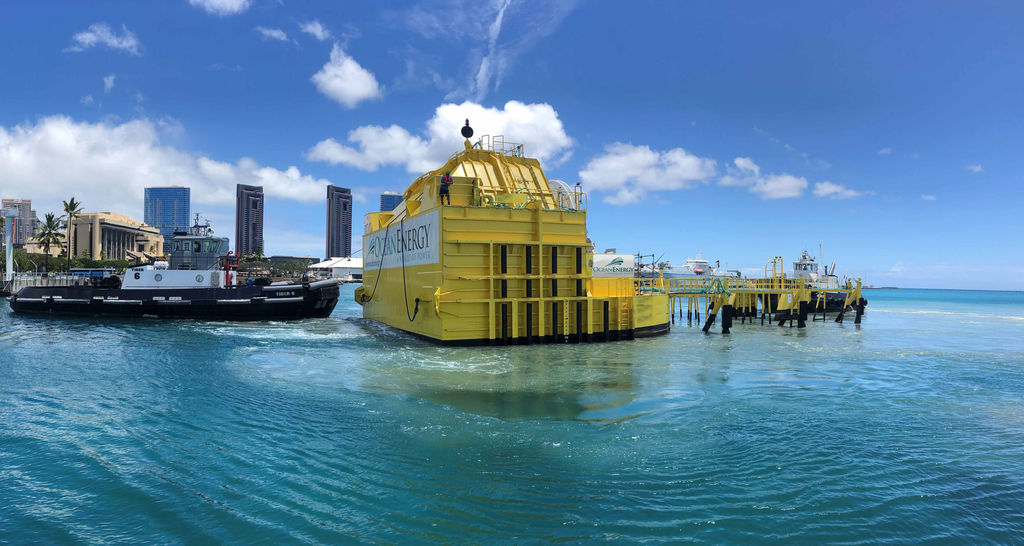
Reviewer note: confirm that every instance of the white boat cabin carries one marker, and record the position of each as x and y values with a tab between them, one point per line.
197	261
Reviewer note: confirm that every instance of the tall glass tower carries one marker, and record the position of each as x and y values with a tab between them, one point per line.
389	200
339	222
168	210
248	219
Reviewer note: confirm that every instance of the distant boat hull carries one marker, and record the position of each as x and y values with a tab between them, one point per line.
834	303
274	302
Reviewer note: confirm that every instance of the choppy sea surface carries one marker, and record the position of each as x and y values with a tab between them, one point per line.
908	428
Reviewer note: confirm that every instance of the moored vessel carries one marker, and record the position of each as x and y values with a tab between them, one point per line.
505	259
693	267
822	284
197	283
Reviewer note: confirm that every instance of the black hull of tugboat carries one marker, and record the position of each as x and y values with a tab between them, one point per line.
275	302
834	302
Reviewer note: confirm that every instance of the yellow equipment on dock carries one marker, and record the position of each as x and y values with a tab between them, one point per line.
778	298
508	261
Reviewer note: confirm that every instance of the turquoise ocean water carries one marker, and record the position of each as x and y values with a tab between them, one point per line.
908	428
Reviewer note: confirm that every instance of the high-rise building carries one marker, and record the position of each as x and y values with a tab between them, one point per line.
389	200
248	219
339	222
26	224
168	209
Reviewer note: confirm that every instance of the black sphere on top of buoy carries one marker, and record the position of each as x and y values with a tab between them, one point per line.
467	131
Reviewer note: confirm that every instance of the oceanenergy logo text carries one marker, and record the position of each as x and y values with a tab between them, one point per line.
414	242
611	265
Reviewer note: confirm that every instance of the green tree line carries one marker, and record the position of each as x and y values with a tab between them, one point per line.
25	262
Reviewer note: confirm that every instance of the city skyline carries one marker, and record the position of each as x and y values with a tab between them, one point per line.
26	224
884	133
24	206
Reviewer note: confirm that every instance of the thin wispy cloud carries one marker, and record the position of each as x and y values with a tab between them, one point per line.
497	33
100	34
885	151
745	173
975	168
272	34
108	83
222	7
832	190
420	71
315	29
86	100
808	160
221	66
926	197
488	67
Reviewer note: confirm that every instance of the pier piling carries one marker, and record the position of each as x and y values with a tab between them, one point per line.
776	300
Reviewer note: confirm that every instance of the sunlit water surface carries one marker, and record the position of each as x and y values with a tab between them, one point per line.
909	427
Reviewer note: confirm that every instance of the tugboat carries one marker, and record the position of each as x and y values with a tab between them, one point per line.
197	283
807	268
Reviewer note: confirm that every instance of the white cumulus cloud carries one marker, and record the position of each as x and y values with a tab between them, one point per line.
345	81
632	171
780	186
100	34
222	7
536	126
272	34
107	165
108	83
746	173
315	29
834	191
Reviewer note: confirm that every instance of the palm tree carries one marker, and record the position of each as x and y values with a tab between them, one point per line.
49	235
72	209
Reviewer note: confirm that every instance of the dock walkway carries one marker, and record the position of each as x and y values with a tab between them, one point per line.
776	298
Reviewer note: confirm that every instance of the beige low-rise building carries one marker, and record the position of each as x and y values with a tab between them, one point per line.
112	236
33	247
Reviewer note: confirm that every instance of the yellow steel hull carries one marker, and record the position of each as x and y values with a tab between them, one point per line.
467	275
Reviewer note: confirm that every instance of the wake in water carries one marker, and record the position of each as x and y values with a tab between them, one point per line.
341	430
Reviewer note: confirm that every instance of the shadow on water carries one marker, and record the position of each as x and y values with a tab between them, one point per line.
560	383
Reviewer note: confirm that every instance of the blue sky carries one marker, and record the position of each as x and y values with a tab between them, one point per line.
890	133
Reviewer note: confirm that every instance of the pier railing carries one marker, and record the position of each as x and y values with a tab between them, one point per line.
22	281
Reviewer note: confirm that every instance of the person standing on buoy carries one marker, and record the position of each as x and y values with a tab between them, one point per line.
446	181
